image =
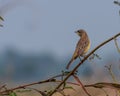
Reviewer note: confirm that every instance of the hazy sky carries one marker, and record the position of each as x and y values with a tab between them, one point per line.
49	25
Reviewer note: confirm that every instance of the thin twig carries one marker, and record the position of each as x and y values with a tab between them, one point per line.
111	72
24	86
52	79
100	85
80	83
116	44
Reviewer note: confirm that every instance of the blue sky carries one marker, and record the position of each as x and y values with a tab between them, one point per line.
49	25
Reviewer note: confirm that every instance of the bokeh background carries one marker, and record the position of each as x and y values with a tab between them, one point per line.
38	39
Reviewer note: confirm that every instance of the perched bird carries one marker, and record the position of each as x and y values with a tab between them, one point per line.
82	47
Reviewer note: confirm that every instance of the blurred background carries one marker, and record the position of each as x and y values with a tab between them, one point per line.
38	39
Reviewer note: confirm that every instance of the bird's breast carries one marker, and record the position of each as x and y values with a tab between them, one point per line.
87	48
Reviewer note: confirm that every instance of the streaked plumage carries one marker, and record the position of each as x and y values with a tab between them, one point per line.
82	46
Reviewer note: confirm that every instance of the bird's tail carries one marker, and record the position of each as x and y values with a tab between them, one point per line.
68	65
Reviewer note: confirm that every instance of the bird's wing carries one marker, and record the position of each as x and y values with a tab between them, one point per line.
78	49
81	45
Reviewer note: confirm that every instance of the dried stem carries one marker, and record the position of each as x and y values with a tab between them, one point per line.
80	83
111	73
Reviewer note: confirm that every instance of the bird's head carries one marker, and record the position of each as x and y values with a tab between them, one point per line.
80	32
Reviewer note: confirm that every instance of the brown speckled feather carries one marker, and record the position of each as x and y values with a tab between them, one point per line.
82	47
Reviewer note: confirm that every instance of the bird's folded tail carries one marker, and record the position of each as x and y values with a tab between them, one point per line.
68	65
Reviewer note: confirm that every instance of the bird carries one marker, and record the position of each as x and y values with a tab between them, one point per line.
82	46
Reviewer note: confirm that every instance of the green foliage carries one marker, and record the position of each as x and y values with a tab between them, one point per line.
12	94
25	90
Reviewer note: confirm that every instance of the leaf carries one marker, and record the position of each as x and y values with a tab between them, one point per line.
94	55
98	56
25	90
117	2
12	94
105	85
1	18
70	87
